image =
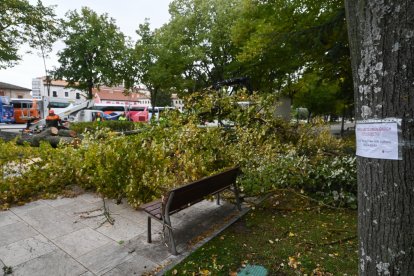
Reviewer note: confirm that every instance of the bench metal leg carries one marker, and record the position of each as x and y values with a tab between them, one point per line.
149	240
236	194
172	247
218	198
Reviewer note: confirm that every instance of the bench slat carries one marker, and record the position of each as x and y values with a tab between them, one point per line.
193	192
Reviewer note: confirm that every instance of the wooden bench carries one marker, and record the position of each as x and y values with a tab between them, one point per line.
182	197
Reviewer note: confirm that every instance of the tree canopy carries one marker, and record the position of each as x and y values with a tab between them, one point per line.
286	47
94	52
198	35
21	22
276	45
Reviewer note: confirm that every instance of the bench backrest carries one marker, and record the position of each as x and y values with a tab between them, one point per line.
197	190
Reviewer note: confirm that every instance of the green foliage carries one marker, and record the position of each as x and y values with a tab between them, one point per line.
154	65
94	51
113	125
22	22
193	50
319	96
28	173
179	150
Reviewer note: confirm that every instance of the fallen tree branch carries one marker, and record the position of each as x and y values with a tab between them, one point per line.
105	213
339	241
320	203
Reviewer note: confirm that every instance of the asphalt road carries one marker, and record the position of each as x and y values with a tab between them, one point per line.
12	127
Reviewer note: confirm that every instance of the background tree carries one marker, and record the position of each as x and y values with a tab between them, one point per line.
199	36
318	95
153	64
282	42
382	38
94	52
21	22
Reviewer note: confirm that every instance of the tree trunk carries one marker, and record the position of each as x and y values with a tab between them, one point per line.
381	36
343	121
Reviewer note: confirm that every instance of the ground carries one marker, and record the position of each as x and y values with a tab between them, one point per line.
287	234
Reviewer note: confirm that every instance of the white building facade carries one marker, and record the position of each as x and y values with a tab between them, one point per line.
56	92
56	95
176	102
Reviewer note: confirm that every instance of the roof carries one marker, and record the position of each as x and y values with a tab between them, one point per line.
117	94
55	82
9	86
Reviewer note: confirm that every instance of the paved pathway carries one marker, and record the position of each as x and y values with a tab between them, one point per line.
53	237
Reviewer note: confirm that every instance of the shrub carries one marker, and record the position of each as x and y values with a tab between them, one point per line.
112	125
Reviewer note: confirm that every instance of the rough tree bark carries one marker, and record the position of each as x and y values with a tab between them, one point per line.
381	34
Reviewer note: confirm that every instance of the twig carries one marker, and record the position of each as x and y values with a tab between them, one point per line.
296	209
337	230
105	213
88	212
339	241
310	199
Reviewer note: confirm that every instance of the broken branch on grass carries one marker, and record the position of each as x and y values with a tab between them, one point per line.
310	199
339	241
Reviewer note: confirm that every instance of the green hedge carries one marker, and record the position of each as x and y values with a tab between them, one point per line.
112	125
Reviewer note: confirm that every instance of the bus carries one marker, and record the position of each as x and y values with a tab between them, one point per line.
25	110
113	111
6	110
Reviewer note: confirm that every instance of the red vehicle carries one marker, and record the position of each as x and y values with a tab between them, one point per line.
137	114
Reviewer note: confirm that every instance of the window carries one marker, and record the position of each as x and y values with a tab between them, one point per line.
77	96
58	105
20	97
54	94
66	94
1	93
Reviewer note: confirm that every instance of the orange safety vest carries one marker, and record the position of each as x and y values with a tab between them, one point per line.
52	121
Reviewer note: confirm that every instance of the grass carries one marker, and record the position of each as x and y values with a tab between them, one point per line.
288	235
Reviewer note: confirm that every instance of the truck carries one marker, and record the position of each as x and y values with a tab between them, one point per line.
67	114
6	110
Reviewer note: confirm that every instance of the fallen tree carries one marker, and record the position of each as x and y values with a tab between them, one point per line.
51	135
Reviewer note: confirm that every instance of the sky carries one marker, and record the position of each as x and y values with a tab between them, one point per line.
127	13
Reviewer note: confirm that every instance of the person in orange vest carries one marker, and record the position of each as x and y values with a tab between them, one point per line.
53	120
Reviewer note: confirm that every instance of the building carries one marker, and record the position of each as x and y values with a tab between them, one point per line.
57	92
177	102
14	91
116	95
